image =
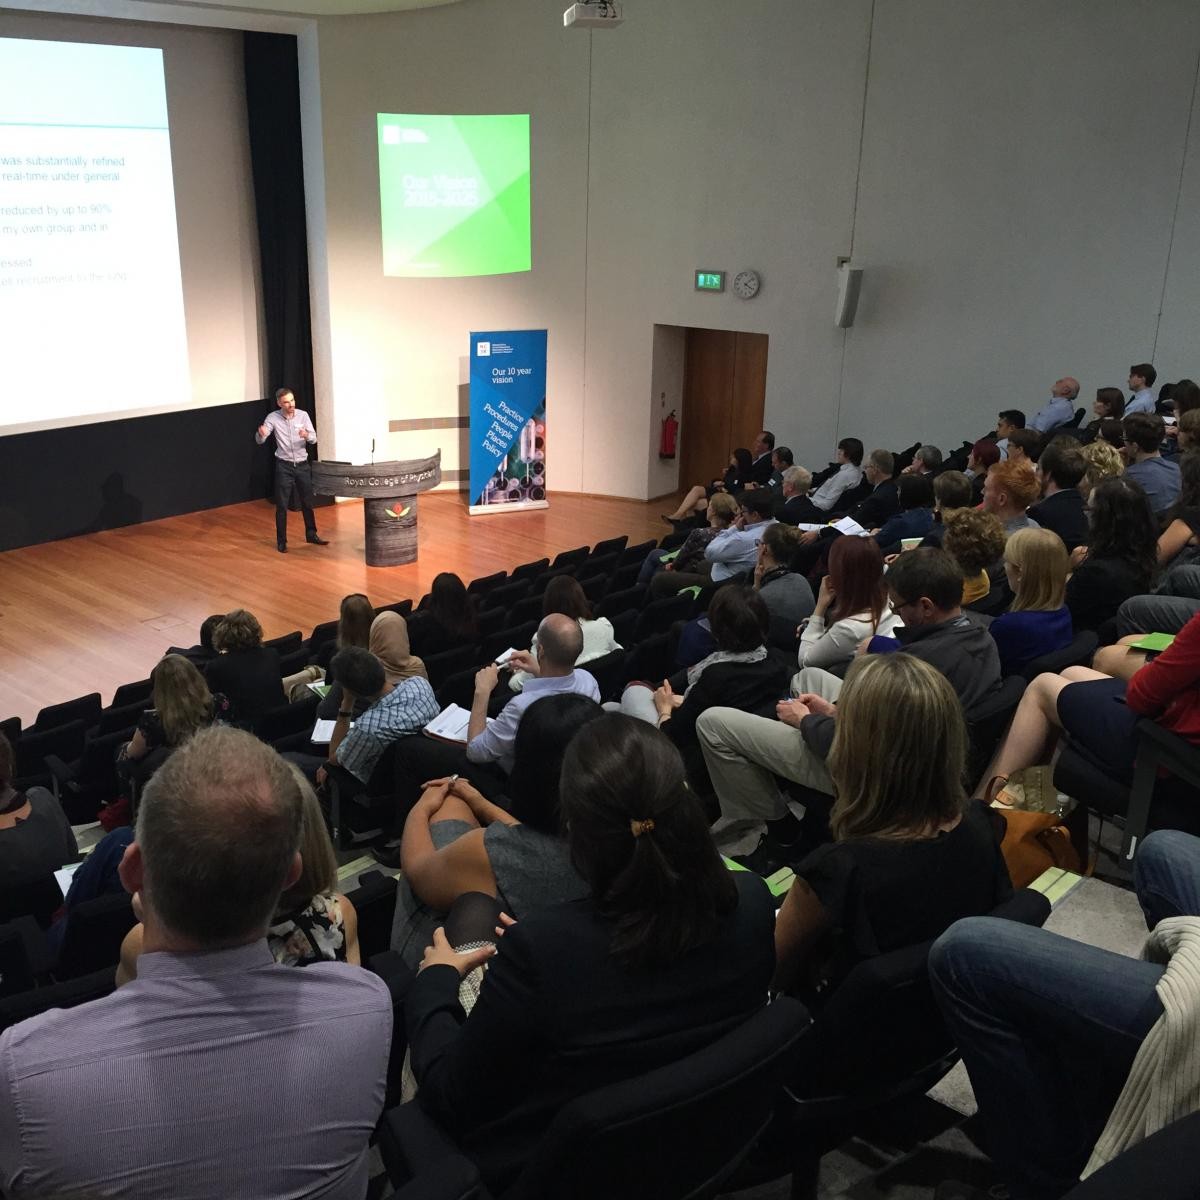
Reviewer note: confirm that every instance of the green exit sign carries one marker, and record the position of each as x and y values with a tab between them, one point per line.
710	281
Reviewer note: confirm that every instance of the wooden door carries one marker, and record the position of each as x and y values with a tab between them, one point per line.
724	390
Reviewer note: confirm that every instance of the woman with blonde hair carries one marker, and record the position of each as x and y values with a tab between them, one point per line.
313	921
1104	462
182	704
1038	621
899	820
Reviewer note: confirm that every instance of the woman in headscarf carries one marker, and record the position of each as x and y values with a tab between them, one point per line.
389	643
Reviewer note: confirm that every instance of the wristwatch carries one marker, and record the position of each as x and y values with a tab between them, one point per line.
346	713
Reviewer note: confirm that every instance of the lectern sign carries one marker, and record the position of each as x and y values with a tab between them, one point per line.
508	420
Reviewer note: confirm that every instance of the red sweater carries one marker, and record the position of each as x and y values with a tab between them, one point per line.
1168	687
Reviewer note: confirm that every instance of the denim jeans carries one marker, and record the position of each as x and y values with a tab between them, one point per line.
1049	1027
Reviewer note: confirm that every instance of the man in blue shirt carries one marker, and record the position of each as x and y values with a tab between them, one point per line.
1158	476
293	431
1061	408
734	551
1141	384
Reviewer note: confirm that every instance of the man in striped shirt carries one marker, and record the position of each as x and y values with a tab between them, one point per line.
294	433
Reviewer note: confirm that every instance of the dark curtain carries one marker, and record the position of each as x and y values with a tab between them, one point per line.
273	110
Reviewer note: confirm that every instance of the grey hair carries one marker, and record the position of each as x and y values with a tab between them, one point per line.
219	826
931	456
560	640
798	478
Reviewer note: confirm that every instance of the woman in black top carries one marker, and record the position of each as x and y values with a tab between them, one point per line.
1109	405
448	619
737	475
1177	545
182	704
668	953
35	836
244	669
1121	555
910	855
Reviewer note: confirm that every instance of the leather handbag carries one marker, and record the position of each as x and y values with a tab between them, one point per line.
1040	832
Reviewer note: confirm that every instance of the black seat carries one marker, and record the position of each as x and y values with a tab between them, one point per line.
31	1003
40	900
10	727
672	541
286	643
485	583
604	564
624	624
659	615
608	672
287	720
65	743
570	558
458	688
987	721
610	545
87	785
374	902
1073	423
879	1038
93	935
595	587
505	597
84	708
403	607
359	812
542	582
678	1131
637	554
138	692
113	720
322	634
625	577
440	667
529	609
619	602
1166	1166
294	661
529	570
516	637
491	620
1078	653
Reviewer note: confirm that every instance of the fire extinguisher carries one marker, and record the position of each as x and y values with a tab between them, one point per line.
670	431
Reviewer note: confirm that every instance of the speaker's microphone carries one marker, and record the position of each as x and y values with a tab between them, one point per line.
372	452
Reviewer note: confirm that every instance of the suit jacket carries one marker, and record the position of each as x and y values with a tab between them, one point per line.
760	470
558	1016
878	508
800	510
1065	514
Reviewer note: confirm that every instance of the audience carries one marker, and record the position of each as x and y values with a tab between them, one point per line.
1109	405
1141	384
1120	556
870	513
786	593
245	670
1010	488
984	456
668	952
1061	408
927	460
848	475
213	1035
761	460
975	540
900	820
1060	469
734	551
851	605
564	595
952	492
1024	446
1104	461
448	620
200	654
915	518
457	841
738	474
1178	541
1144	463
1038	621
313	922
781	459
1007	423
795	507
35	836
689	558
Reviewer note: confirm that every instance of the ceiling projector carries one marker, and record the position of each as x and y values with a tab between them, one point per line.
593	14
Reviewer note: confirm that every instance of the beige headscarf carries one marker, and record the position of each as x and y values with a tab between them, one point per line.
389	644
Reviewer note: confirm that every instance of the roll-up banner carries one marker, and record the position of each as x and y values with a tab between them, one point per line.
508	421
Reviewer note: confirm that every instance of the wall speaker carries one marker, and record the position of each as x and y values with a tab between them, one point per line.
849	286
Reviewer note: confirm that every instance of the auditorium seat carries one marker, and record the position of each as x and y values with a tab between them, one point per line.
1078	653
93	935
529	570
439	667
570	558
659	615
85	786
294	661
138	692
611	545
636	1139
83	708
622	601
517	637
506	596
287	720
322	634
483	585
403	607
529	609
10	727
374	901
637	554
66	742
113	720
286	643
492	620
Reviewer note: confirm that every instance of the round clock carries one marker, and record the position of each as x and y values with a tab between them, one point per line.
746	284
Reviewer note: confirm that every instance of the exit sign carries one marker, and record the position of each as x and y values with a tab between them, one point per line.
710	281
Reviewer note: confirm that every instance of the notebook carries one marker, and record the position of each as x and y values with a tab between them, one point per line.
1153	642
450	725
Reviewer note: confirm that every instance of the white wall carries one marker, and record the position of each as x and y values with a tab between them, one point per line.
1016	196
214	193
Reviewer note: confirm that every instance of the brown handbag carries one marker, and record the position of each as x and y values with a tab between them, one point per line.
1038	833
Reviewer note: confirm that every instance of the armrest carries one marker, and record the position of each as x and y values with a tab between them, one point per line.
393	970
413	1146
59	770
1024	906
453	1178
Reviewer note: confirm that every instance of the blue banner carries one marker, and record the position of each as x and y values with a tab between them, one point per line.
508	420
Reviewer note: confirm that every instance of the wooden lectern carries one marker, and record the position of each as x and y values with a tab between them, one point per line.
389	491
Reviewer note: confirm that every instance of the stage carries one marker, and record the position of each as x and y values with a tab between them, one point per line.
90	613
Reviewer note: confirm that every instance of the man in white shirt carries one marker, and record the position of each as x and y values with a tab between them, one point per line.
1007	423
848	475
294	433
1141	384
1061	408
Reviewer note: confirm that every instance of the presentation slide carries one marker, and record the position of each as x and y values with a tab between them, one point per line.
454	195
91	301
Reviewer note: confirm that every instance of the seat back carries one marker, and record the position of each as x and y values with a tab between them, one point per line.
286	643
16	971
63	741
287	719
10	727
619	602
529	609
403	607
625	577
374	901
609	673
94	932
485	583
83	708
529	570
1078	654
39	900
519	637
570	558
491	620
637	554
988	720
439	667
672	541
659	615
506	596
293	661
325	632
137	692
1073	423
113	720
610	545
14	1009
677	1131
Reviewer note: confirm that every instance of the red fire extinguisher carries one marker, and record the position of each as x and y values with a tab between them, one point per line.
670	431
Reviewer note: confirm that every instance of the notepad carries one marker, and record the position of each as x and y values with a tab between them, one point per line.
320	689
1153	642
502	659
322	733
450	725
64	874
850	527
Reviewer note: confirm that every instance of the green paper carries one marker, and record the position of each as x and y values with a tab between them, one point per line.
1153	641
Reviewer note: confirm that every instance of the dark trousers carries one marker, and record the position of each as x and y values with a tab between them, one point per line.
287	476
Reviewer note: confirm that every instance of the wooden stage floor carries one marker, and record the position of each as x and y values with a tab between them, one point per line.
89	613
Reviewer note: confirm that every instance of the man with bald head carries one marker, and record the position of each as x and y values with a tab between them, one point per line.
201	1077
487	758
1061	408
